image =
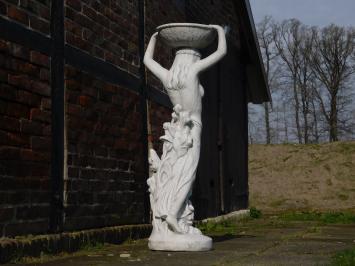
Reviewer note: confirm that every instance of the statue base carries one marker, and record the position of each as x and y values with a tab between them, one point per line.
180	242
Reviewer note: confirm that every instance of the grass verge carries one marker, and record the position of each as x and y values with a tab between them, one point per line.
323	218
344	258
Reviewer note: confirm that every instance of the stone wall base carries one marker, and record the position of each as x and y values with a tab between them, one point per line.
34	246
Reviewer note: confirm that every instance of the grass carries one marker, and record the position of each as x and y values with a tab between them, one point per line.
344	258
228	226
324	218
218	228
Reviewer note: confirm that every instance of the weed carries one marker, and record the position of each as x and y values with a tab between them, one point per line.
254	213
344	258
223	227
92	246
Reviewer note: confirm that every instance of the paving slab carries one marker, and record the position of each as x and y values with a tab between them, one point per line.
292	244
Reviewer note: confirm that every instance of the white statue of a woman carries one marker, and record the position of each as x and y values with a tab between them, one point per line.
174	173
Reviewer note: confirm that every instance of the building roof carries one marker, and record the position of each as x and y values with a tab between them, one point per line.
258	89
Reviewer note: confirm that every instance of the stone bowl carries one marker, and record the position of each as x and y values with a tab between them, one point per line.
186	35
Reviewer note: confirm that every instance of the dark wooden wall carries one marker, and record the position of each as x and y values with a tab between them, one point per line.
222	179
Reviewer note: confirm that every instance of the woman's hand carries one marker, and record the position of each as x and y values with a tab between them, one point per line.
155	35
216	27
150	63
217	55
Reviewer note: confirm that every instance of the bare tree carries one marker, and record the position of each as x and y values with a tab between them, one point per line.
269	53
331	56
314	67
288	41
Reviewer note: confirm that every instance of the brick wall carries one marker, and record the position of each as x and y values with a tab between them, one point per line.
105	184
104	172
34	14
157	116
158	13
25	133
105	29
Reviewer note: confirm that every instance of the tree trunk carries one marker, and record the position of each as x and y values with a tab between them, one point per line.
267	123
333	121
305	120
316	133
297	110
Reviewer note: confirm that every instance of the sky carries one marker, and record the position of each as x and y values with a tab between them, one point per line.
310	12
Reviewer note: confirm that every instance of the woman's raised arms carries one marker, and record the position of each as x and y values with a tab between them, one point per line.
150	63
221	51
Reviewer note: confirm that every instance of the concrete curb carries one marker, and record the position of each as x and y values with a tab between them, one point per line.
34	246
237	215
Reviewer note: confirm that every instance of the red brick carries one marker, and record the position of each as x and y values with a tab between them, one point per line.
28	98
10	124
85	100
44	12
17	110
40	115
39	25
83	20
9	153
72	96
41	88
17	14
73	27
75	4
21	81
39	59
72	84
47	131
31	127
89	35
44	74
30	155
70	72
41	143
14	139
7	92
91	13
29	69
20	51
46	103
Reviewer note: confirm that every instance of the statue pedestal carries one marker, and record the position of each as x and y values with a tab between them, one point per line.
179	242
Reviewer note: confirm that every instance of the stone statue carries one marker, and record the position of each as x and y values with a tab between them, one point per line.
170	185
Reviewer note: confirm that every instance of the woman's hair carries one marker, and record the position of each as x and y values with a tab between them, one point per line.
177	76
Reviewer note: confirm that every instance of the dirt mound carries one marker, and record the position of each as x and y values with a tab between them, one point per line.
302	177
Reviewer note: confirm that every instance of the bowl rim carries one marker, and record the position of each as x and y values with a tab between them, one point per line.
192	25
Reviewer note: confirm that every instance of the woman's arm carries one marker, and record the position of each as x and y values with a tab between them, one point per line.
217	55
152	65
